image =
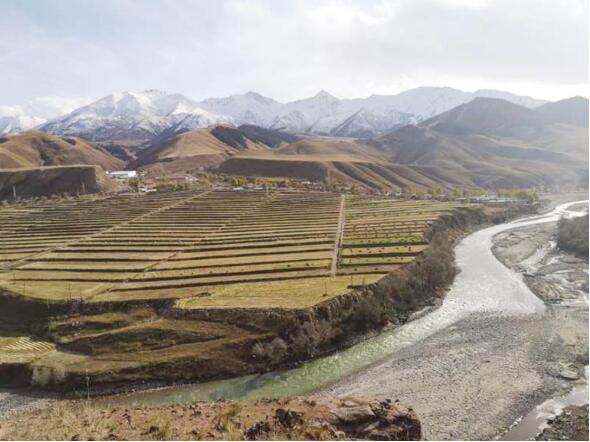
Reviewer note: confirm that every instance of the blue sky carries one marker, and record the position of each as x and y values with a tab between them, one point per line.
68	52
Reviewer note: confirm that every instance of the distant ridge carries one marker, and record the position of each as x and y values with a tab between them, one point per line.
569	111
136	118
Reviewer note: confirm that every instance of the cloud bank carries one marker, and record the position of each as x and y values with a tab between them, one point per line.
288	49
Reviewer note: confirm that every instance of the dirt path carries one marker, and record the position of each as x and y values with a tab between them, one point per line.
338	240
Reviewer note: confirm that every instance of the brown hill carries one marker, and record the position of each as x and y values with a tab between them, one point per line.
34	149
47	181
345	149
492	143
331	160
478	160
199	148
491	116
545	128
382	176
573	111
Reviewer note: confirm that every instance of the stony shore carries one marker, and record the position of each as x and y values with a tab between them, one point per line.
572	424
475	378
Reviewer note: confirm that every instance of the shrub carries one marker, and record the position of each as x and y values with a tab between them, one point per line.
572	235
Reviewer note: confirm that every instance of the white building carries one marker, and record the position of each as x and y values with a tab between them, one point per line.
123	174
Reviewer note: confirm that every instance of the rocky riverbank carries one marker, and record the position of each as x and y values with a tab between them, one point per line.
572	424
474	378
284	419
554	276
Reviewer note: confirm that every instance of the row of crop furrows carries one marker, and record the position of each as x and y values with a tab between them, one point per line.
46	234
45	226
108	256
207	240
283	237
381	235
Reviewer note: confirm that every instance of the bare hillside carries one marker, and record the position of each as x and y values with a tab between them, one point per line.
47	181
198	148
34	149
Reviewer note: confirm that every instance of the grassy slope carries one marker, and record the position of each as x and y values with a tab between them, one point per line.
479	160
191	150
32	149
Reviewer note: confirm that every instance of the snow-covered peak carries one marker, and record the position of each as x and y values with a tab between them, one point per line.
249	108
368	123
525	101
325	95
294	121
151	112
134	116
18	123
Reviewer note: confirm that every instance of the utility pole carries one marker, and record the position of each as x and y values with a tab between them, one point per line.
14	192
87	385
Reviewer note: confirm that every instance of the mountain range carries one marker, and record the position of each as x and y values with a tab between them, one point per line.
421	138
487	143
133	118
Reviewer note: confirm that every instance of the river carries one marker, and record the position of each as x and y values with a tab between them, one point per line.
488	308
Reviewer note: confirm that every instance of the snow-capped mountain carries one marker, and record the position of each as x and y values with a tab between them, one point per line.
325	114
248	108
134	116
142	116
17	123
293	121
513	98
426	102
366	123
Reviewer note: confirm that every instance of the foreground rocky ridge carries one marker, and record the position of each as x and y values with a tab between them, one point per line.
284	419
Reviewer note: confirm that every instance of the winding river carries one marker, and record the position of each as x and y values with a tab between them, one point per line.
500	291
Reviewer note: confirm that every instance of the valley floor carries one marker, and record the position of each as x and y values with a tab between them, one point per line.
473	379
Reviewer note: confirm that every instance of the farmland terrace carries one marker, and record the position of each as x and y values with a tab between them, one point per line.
184	286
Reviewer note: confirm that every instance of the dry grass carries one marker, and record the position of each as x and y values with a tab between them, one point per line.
284	294
22	349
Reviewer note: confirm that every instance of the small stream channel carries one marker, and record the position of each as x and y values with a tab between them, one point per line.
536	420
500	291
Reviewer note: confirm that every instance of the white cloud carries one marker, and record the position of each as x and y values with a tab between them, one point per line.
469	4
40	109
51	107
290	49
11	111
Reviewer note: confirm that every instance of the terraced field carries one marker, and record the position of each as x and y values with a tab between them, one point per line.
209	249
381	235
22	349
